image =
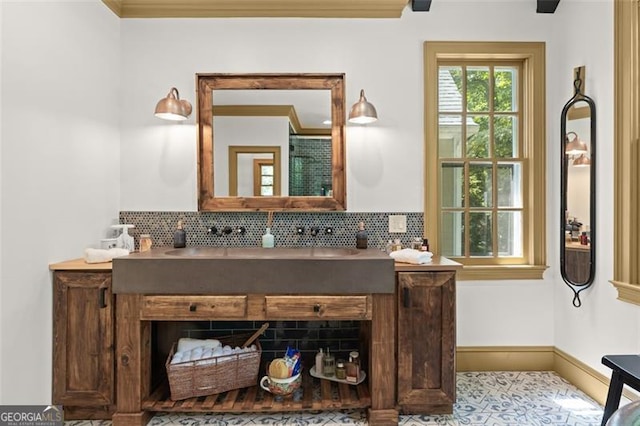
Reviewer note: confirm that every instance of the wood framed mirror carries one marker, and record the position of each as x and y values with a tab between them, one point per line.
578	190
243	110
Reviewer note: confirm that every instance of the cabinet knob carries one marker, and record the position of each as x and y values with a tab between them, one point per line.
192	308
316	308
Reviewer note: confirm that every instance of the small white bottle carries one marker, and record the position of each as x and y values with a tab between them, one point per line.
268	240
319	361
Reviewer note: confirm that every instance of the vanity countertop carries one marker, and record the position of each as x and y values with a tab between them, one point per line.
577	246
438	263
79	265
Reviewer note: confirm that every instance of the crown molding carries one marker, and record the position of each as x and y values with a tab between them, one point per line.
256	8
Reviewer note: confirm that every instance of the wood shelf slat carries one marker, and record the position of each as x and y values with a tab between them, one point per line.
314	395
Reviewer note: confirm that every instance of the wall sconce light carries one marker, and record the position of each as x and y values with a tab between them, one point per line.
581	161
363	112
574	146
172	107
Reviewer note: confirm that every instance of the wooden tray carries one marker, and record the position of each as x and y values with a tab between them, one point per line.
363	376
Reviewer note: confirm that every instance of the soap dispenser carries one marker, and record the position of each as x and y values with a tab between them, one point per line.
125	240
179	237
268	240
361	237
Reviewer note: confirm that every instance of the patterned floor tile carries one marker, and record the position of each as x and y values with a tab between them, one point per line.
497	398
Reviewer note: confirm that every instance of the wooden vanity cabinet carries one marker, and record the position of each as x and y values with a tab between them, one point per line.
426	342
84	323
83	343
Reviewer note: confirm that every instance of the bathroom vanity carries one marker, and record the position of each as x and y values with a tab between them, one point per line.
421	379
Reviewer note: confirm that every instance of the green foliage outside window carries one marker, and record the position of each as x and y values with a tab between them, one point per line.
479	147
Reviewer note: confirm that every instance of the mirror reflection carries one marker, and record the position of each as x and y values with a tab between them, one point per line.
298	122
578	197
271	141
577	244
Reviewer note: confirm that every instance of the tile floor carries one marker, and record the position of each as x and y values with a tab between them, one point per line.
484	398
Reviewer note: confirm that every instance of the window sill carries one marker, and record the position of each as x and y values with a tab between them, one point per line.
629	293
502	272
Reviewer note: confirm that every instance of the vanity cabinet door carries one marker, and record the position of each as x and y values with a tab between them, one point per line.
83	321
426	342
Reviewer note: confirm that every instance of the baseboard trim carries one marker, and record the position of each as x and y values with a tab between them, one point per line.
537	358
504	358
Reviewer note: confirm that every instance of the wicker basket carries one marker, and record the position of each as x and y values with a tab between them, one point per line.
219	374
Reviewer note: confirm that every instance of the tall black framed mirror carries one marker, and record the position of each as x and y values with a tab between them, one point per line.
578	190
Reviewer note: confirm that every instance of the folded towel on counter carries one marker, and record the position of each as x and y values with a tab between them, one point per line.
92	255
411	256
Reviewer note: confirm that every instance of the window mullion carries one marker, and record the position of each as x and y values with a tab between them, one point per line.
492	157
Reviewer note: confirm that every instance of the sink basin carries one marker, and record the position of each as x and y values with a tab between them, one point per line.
197	252
270	253
261	253
333	252
246	270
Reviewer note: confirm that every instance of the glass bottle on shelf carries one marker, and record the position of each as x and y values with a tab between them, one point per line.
353	367
341	372
328	365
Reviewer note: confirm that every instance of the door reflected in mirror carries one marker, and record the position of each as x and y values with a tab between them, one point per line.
254	171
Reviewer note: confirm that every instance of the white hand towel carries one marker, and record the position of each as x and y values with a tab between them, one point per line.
412	256
92	255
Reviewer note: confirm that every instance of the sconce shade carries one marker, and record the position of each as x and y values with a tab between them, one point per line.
574	146
172	107
363	112
581	161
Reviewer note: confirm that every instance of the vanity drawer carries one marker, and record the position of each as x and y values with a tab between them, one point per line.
318	307
193	307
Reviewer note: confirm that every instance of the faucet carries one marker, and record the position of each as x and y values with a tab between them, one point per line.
227	230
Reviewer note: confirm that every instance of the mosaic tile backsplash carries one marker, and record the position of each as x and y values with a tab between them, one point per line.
161	225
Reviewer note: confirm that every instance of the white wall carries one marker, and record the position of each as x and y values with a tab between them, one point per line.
603	325
59	168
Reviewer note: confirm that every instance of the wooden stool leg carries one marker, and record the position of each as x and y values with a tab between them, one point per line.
613	397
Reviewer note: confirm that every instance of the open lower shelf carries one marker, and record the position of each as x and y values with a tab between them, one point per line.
313	395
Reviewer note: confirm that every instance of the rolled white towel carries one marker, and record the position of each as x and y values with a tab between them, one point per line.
412	256
187	343
92	255
195	354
